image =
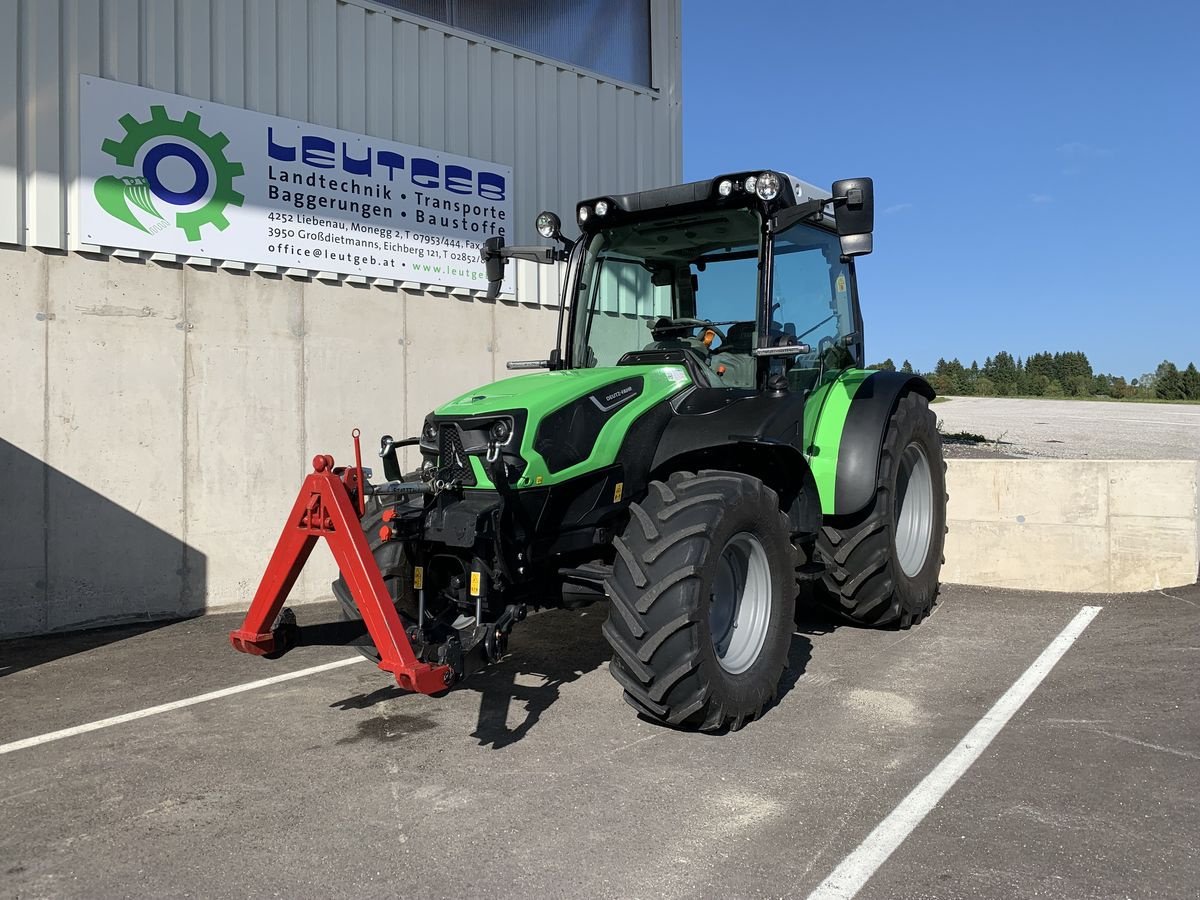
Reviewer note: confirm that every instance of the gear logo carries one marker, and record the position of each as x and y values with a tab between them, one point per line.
176	163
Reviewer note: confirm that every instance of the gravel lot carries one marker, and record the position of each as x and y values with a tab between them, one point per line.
1072	429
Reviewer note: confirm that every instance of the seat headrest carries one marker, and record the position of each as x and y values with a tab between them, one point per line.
739	338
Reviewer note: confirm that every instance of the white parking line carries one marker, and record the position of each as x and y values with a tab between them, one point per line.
856	869
25	743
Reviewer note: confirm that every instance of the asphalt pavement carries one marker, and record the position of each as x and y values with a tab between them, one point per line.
536	780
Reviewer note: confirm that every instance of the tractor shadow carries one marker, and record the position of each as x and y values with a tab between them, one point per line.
554	648
550	649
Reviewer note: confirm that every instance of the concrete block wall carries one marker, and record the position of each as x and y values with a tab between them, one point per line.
1073	525
156	420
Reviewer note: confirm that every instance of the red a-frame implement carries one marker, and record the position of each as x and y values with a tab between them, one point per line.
328	507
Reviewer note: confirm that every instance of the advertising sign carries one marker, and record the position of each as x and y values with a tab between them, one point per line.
170	174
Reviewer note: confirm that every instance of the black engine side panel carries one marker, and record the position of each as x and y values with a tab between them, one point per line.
709	417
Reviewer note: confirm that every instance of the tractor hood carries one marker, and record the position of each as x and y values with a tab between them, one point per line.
544	392
575	420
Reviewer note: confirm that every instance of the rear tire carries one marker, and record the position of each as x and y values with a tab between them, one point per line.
883	563
703	596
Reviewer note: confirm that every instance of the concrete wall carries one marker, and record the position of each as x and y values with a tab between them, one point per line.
1073	525
156	420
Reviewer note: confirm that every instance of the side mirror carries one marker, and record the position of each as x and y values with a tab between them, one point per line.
854	214
494	262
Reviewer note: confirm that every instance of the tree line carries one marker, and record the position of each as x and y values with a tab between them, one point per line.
1047	374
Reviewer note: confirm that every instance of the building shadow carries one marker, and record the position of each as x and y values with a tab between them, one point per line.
72	559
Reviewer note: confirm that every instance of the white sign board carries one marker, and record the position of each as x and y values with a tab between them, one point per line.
170	174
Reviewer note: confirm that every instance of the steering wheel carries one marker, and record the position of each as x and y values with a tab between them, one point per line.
684	324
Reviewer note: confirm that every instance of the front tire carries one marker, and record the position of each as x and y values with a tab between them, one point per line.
883	563
395	565
703	596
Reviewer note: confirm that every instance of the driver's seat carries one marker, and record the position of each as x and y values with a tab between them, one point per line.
732	362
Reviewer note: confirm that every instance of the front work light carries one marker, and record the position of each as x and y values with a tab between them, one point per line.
767	186
500	432
548	224
725	188
601	207
584	212
750	184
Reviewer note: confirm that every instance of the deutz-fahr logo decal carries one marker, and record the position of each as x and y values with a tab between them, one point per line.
173	162
616	394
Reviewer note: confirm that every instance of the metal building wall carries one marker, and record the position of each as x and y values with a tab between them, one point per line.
351	64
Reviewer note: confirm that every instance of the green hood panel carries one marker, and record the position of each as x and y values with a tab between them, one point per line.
542	393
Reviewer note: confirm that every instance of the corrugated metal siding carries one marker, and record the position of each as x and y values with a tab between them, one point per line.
611	37
348	64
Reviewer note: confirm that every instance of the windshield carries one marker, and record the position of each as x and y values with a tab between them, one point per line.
692	283
653	286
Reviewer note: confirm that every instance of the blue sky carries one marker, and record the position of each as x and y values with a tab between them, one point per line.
1035	164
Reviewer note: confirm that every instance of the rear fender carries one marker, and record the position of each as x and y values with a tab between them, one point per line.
862	434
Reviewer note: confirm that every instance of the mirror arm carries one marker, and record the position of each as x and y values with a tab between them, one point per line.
494	249
786	218
540	255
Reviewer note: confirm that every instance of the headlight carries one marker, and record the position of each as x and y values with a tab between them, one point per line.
601	207
767	186
500	431
750	183
725	188
584	212
430	431
547	224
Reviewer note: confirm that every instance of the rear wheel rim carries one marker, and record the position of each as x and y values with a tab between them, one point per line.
740	605
914	510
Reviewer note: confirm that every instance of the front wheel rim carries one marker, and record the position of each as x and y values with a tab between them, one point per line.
914	510
740	604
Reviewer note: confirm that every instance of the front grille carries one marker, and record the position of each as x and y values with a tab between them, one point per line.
453	464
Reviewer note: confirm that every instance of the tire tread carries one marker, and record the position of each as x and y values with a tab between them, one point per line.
655	619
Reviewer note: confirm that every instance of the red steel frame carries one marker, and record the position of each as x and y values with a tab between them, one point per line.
324	509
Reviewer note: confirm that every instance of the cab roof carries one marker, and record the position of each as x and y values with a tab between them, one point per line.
697	195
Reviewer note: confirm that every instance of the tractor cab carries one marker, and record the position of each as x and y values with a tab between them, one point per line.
746	279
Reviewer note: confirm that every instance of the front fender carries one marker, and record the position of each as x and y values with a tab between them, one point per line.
778	464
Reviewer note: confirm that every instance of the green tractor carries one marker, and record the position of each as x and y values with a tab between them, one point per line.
704	441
